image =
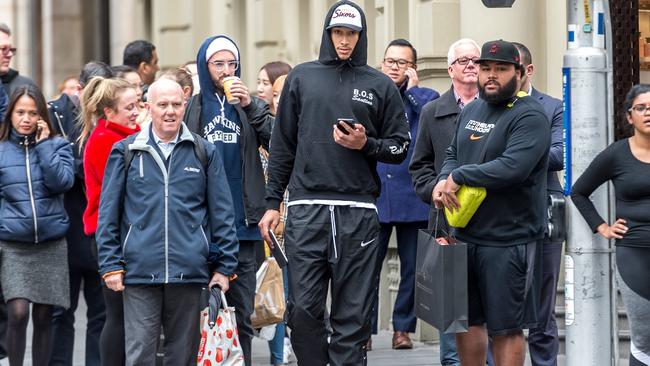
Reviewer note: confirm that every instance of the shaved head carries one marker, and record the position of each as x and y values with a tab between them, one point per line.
167	107
163	85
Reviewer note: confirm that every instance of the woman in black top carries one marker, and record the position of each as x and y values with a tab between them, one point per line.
627	164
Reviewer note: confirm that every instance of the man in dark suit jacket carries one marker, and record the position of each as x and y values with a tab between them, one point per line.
543	343
436	129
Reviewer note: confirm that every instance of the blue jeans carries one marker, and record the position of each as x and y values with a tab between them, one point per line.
276	345
448	353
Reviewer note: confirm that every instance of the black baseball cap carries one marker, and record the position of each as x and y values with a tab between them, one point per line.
500	51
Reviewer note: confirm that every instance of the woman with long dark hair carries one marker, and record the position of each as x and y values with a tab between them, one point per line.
35	170
626	163
110	110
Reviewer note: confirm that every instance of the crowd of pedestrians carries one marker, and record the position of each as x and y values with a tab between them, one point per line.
142	192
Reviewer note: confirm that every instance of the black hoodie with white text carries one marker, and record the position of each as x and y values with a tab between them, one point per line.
316	94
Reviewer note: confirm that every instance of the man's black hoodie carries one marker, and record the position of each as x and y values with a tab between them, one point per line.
315	95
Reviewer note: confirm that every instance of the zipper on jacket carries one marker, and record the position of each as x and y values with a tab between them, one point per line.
126	238
141	167
333	221
58	120
243	188
31	191
167	217
207	244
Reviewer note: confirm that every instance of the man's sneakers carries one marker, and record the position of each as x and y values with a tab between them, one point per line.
401	340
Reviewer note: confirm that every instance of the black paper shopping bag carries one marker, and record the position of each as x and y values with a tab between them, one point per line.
441	283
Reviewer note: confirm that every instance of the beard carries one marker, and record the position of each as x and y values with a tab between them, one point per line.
504	93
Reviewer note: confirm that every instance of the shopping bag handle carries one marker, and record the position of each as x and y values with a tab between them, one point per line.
451	238
217	301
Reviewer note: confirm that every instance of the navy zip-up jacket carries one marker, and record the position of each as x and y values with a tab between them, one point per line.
316	94
166	221
33	178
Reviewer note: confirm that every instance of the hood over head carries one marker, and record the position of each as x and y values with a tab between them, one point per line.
208	48
345	14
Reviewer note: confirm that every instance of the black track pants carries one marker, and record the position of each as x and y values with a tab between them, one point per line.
338	244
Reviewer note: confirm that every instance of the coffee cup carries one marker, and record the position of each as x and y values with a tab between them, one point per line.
227	83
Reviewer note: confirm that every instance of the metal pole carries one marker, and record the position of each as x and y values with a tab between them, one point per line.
587	261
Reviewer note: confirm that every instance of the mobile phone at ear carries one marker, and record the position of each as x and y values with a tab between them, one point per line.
348	121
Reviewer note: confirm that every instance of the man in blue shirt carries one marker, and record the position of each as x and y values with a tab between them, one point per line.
398	206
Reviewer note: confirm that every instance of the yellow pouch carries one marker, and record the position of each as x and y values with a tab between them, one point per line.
470	198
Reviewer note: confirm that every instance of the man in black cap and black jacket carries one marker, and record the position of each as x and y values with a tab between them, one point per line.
337	118
501	143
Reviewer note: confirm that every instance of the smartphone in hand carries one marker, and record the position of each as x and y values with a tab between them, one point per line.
277	252
348	121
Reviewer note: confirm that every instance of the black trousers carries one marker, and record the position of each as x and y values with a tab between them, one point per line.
63	319
334	245
241	295
543	342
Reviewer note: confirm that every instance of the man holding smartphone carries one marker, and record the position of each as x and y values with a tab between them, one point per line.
332	225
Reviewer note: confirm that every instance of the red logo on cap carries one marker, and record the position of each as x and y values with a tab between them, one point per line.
517	58
494	48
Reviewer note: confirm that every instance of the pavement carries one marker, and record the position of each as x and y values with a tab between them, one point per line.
381	355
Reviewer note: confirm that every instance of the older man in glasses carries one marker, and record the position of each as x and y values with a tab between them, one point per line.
438	124
398	206
237	130
10	78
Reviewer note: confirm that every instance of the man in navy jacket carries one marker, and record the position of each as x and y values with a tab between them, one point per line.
166	229
398	206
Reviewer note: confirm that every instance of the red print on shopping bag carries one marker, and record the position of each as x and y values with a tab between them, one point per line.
219	334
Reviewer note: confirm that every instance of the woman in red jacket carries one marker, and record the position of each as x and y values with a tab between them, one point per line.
109	109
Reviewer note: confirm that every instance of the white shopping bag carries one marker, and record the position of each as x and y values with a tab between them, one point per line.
219	337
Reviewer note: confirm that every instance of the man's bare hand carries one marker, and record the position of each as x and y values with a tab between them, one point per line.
220	280
270	220
436	195
238	89
115	281
449	199
412	76
356	138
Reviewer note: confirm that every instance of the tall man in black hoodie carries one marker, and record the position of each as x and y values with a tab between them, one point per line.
501	143
330	170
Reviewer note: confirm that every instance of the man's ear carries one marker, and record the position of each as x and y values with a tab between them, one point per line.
530	70
141	67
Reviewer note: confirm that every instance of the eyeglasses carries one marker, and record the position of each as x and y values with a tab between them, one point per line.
465	60
401	63
8	49
640	108
221	65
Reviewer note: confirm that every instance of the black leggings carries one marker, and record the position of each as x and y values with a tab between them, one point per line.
111	342
17	319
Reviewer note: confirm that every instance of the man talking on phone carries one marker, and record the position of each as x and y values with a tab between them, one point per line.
332	228
398	206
